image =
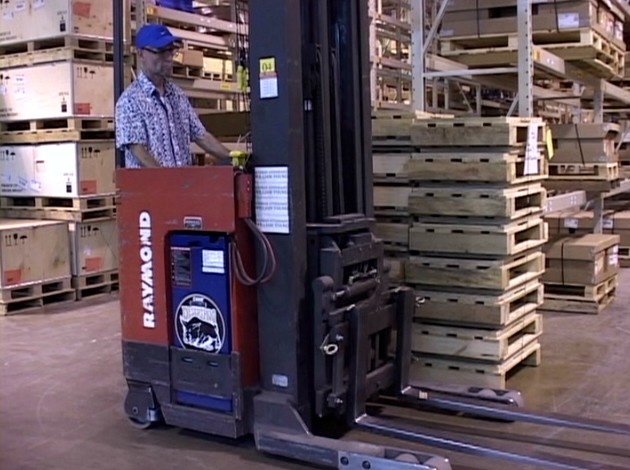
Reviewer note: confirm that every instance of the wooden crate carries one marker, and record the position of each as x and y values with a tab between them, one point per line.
27	24
479	165
477	202
473	373
478	308
33	251
475	343
94	247
58	90
474	274
61	170
473	132
478	240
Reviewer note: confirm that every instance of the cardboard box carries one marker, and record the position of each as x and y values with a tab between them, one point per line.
68	169
57	90
585	143
33	251
28	20
586	260
94	246
189	58
571	222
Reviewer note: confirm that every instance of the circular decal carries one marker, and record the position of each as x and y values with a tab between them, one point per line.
200	324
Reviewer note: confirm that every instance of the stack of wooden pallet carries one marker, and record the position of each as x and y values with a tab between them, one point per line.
585	157
581	273
469	232
588	33
57	147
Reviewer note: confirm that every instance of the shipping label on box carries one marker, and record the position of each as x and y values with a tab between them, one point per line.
67	169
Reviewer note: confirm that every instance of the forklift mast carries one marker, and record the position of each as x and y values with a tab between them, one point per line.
317	127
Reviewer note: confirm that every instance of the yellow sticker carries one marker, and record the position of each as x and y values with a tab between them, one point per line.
549	142
225	86
151	11
267	65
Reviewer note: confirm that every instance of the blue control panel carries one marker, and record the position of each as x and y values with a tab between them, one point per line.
200	302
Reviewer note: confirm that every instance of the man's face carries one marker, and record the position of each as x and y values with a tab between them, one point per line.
158	62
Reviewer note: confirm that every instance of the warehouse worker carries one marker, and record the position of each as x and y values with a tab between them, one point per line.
155	122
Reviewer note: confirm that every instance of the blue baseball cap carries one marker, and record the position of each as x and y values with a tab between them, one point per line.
155	36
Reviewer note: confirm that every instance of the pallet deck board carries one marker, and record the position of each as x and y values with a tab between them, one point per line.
492	275
506	131
474	343
489	240
449	306
489	165
471	373
478	202
594	299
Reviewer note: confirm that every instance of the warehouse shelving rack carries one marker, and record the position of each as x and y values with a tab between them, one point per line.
531	61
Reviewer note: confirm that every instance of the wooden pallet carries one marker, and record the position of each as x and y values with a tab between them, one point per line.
474	373
90	215
391	200
624	257
187	71
394	232
90	285
391	167
578	184
475	132
475	343
480	241
581	171
471	274
483	204
24	59
580	299
479	165
68	41
56	130
582	45
478	308
395	262
33	297
77	204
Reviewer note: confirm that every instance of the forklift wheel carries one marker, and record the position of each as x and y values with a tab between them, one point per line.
139	423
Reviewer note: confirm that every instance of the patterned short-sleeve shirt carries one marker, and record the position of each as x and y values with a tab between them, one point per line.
166	125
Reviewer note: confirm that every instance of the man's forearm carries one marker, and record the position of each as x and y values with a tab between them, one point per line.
210	144
144	157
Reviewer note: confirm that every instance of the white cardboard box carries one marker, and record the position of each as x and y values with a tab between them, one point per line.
33	251
94	246
27	20
57	90
68	169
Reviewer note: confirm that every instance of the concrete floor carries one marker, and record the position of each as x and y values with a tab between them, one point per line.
61	395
